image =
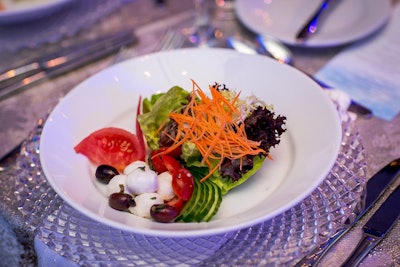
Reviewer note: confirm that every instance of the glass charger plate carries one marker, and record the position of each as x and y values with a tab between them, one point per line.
281	240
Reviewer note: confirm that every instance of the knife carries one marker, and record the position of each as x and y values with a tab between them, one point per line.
62	62
375	187
311	26
376	228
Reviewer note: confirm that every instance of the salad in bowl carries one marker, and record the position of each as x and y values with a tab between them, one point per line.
190	149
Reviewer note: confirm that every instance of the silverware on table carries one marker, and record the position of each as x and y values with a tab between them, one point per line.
376	228
5	160
311	26
266	45
375	187
63	61
170	40
275	48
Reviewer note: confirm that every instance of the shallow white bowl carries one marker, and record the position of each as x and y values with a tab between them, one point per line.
306	154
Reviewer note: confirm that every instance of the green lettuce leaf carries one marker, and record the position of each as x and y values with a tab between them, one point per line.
192	158
227	184
157	109
148	103
190	154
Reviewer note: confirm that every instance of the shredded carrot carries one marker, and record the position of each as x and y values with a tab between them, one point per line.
213	125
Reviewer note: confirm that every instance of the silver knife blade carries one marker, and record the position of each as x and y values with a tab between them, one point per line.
62	62
376	228
375	187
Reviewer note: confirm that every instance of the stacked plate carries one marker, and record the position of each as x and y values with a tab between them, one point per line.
343	22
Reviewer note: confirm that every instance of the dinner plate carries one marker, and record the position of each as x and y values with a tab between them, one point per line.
345	22
307	151
22	11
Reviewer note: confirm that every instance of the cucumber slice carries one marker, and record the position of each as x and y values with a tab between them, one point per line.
195	202
215	206
209	198
207	195
205	201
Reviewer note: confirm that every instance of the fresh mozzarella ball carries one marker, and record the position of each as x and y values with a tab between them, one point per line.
165	186
134	165
142	180
114	184
144	203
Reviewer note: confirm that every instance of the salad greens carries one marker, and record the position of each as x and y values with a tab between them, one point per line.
227	184
156	110
192	158
214	176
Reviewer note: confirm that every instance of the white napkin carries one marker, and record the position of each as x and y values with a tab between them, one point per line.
369	71
343	102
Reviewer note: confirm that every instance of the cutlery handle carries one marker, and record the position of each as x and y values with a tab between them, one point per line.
319	252
21	71
83	54
365	245
312	24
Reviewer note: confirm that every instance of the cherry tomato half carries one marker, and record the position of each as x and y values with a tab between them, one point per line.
162	163
176	152
177	203
157	162
183	184
171	163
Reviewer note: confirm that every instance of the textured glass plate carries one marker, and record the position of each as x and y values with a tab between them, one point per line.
279	241
313	135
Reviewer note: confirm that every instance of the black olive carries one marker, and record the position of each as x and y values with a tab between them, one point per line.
121	201
104	173
163	213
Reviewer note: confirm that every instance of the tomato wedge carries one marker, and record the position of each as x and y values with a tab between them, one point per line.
112	146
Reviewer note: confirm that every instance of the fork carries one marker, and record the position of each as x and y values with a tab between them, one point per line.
171	39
